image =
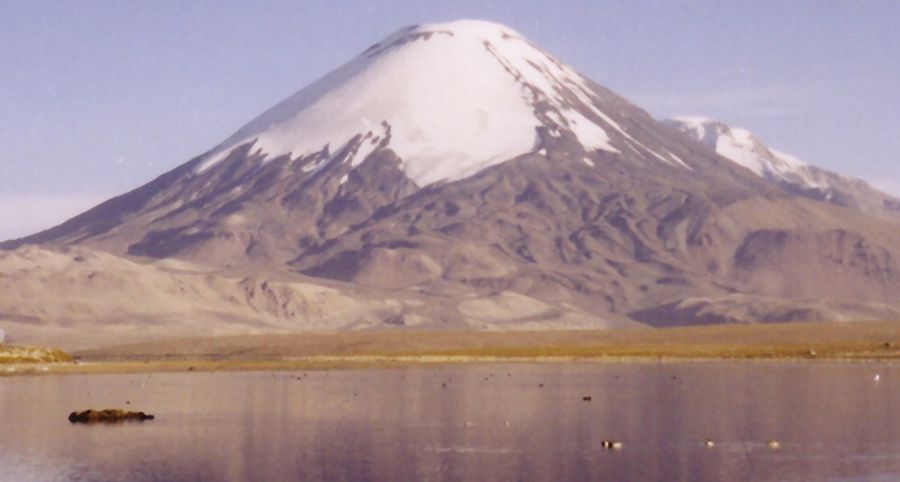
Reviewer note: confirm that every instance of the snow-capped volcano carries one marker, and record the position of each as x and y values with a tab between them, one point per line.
463	169
448	99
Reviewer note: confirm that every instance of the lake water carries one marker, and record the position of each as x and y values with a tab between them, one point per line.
834	421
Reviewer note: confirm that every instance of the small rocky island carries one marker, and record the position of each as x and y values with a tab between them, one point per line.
109	415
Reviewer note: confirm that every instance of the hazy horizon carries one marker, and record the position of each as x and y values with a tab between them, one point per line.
101	98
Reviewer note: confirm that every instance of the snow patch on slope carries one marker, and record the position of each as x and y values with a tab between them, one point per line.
590	135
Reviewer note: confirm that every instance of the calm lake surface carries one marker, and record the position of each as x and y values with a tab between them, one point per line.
835	421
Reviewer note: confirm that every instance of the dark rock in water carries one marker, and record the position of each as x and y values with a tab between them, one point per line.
109	415
586	398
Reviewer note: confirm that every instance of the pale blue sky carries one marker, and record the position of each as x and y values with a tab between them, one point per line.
98	97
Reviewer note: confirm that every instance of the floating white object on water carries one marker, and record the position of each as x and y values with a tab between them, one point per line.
709	443
610	445
876	378
773	444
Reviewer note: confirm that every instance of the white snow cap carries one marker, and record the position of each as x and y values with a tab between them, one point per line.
453	98
742	147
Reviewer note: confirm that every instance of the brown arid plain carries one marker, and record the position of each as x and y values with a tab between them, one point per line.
854	341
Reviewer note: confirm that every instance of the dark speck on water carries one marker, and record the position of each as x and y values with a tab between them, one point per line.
770	421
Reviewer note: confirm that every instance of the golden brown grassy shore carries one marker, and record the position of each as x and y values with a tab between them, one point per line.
807	341
10	354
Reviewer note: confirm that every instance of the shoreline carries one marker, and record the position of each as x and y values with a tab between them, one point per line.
801	342
371	362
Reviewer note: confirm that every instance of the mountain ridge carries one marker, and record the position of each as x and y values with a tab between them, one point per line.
744	148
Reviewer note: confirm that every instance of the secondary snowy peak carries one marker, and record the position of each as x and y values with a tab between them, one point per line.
449	99
742	147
